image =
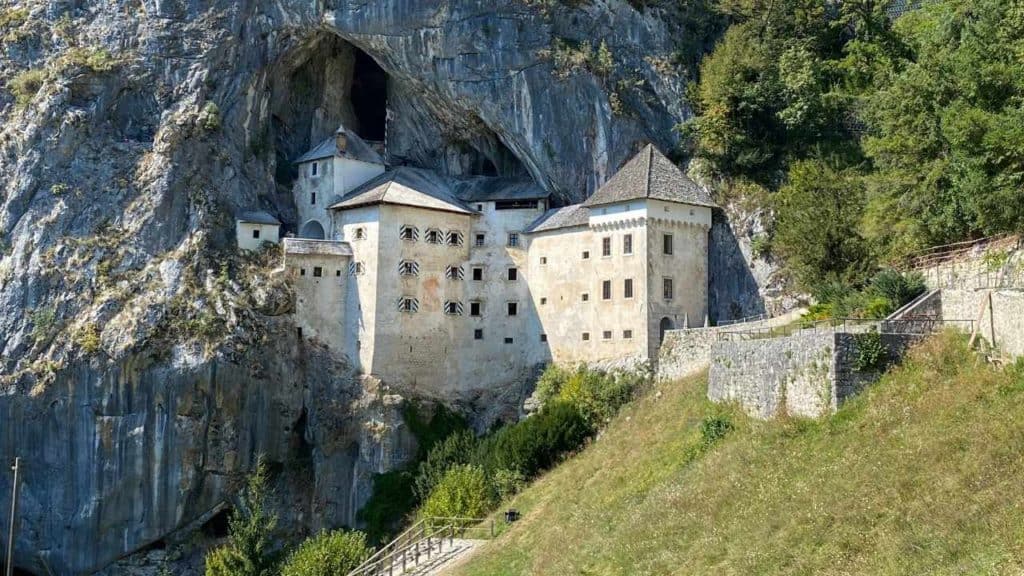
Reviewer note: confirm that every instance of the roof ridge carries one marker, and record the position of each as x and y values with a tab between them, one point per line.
650	162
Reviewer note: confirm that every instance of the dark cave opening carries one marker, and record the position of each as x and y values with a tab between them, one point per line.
369	97
218	525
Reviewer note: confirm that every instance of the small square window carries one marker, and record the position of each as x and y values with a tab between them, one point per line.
475	308
513	308
454	238
356	268
318	272
408	304
585	297
479	241
606	335
360	233
667	244
606	246
606	290
627	244
337	273
302	271
586	254
409	268
508	340
478	274
479	207
543	260
586	336
513	239
478	334
433	237
543	337
256	234
627	334
409	233
454	272
543	301
452	308
627	288
667	289
513	274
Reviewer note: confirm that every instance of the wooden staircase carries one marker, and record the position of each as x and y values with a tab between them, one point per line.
427	547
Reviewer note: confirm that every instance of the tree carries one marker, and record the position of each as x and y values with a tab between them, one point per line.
334	553
464	492
248	551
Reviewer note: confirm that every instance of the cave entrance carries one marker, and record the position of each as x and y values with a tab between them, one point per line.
369	97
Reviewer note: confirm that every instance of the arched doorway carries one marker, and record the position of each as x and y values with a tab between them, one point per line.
666	325
312	230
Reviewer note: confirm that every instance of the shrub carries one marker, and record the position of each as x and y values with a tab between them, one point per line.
714	428
536	443
871	352
899	289
550	383
463	493
209	117
88	338
25	85
507	483
248	551
454	450
44	321
327	554
597	394
393	497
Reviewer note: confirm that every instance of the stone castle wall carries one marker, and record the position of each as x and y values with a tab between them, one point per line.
1000	322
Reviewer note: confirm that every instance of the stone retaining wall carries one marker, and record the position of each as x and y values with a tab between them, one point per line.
685	352
1000	323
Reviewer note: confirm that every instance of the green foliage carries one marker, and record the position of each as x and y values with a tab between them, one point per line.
91	58
535	444
871	352
441	424
393	498
249	550
715	427
761	246
464	492
209	117
896	287
597	394
334	553
454	450
88	338
507	483
25	85
44	323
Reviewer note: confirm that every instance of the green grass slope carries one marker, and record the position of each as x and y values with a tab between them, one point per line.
921	474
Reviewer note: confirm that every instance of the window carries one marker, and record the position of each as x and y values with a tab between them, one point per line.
508	340
256	233
314	170
433	237
513	308
318	272
302	271
667	288
513	239
478	273
409	268
454	272
606	246
666	243
586	254
606	290
543	260
408	304
454	238
337	273
513	274
585	297
543	301
360	233
479	207
475	308
312	198
627	244
586	336
543	337
409	233
627	334
479	241
478	334
453	308
627	288
606	335
356	269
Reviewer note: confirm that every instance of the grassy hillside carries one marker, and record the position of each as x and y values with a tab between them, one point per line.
923	474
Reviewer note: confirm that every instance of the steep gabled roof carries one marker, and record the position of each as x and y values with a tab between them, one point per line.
491	189
257	217
408	187
650	174
566	217
355	149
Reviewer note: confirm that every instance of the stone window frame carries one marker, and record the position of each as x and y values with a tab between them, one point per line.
606	335
668	288
474	273
453	308
606	290
314	170
512	274
255	233
543	260
627	244
627	288
627	334
585	336
454	272
585	255
318	271
409	233
478	334
454	238
359	233
543	337
408	304
668	244
433	236
585	297
513	240
480	239
509	340
512	308
408	268
479	308
606	247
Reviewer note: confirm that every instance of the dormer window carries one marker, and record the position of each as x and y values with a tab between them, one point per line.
409	268
454	238
409	233
433	236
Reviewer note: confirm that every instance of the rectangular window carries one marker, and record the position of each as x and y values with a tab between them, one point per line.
409	268
479	240
318	272
337	273
513	308
543	337
475	308
606	290
312	198
606	246
543	301
627	288
543	260
478	274
256	233
408	304
409	233
356	268
479	207
454	238
627	244
433	237
508	340
360	233
513	239
453	308
513	274
627	334
586	254
314	170
606	335
454	272
478	334
667	290
302	271
666	243
585	297
586	336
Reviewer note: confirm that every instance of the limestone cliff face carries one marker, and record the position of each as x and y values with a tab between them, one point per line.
143	362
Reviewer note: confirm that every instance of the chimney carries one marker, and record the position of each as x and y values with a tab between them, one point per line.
341	139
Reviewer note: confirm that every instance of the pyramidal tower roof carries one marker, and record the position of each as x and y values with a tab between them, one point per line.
650	174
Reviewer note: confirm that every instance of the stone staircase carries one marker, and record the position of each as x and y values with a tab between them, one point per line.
427	548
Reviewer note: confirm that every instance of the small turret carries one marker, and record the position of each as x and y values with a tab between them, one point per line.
341	140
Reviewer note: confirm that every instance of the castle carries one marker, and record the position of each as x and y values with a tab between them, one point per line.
446	284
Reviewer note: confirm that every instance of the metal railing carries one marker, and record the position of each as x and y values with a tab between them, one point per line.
423	541
909	326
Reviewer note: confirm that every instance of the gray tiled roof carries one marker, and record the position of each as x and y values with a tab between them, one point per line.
566	217
321	247
355	149
489	189
650	174
258	217
406	186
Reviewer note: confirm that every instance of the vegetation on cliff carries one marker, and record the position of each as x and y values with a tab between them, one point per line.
915	476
